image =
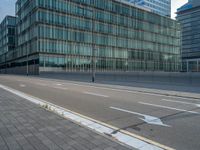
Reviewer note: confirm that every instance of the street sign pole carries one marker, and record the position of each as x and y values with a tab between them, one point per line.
93	50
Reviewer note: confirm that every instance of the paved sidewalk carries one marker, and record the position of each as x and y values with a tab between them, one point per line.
24	125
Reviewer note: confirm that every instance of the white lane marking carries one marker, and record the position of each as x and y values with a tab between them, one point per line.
95	94
22	85
174	101
129	91
104	88
171	108
121	90
59	84
62	88
98	126
189	99
147	118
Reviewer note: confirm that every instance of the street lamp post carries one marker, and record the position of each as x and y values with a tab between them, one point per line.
187	66
5	62
93	64
27	72
93	50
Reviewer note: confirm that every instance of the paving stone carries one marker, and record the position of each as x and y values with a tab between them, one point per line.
2	142
28	147
3	147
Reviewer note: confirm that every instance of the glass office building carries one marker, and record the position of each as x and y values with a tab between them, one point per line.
161	7
7	40
189	17
66	35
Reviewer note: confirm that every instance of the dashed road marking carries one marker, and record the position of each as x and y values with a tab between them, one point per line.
181	102
22	85
95	94
59	84
171	108
61	88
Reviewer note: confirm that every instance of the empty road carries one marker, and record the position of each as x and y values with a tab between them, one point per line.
169	120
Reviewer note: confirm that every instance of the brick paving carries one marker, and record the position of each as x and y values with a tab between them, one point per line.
26	126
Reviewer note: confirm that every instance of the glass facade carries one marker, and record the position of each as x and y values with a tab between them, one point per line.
161	7
64	35
188	16
7	39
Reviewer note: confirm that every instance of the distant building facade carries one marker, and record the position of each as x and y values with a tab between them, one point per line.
65	35
7	40
161	7
189	17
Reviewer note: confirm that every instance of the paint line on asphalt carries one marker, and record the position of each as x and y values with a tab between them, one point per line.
95	94
130	91
43	84
106	88
171	108
90	86
181	102
59	84
147	118
189	99
62	88
22	85
120	90
122	136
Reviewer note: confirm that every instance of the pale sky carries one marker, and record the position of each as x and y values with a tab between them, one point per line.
176	4
7	7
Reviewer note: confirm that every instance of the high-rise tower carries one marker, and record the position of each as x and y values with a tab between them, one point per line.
189	17
161	7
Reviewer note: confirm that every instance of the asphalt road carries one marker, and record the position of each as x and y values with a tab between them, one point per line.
172	121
